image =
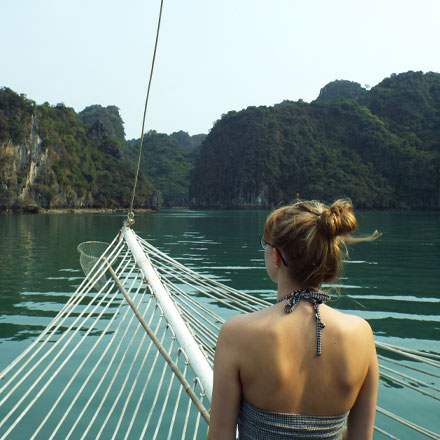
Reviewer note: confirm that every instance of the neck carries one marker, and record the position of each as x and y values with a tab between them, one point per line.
287	286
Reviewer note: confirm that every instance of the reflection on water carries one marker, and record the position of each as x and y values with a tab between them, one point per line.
392	282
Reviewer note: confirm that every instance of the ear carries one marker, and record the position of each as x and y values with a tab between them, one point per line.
276	257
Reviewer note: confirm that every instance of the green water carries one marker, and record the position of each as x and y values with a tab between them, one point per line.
393	282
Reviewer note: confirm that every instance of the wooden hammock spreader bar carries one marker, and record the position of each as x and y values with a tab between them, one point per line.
162	351
199	363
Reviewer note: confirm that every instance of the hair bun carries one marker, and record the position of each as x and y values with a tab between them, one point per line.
338	219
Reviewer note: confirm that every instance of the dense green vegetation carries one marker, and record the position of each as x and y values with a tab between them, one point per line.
73	165
380	147
109	118
15	116
168	162
187	141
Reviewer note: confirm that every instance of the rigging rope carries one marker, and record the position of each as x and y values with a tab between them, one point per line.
130	215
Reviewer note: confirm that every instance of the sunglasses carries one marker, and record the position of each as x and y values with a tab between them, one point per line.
264	245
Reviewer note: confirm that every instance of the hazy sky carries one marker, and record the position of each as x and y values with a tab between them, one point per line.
213	56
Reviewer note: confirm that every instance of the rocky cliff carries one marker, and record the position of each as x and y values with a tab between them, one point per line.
50	159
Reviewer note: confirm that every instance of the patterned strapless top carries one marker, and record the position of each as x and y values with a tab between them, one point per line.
257	424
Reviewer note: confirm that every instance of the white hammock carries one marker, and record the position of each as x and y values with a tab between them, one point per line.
134	360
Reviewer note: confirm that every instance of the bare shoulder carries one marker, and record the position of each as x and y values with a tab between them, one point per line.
230	329
351	324
231	341
236	324
233	323
240	329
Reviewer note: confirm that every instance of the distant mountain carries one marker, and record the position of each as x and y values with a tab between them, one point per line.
379	147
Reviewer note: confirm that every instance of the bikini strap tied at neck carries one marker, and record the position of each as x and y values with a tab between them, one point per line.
316	298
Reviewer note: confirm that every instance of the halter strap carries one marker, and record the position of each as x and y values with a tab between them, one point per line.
315	298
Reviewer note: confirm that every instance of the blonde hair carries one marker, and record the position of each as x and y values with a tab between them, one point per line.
310	236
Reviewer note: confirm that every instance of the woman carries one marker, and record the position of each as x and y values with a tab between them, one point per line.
298	369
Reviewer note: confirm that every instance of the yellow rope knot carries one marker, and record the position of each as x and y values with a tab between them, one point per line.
130	219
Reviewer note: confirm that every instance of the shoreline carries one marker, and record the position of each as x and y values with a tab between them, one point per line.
30	211
76	211
93	211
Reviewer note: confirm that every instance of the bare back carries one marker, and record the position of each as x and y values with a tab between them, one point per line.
280	370
270	359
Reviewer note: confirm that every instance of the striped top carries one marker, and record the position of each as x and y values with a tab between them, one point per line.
257	424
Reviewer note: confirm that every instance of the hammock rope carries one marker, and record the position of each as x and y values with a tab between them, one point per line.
97	373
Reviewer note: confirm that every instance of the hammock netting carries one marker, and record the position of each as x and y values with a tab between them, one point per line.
95	372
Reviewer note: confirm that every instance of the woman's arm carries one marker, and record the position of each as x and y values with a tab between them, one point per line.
226	392
361	418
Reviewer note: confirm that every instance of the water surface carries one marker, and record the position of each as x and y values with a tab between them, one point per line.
392	282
